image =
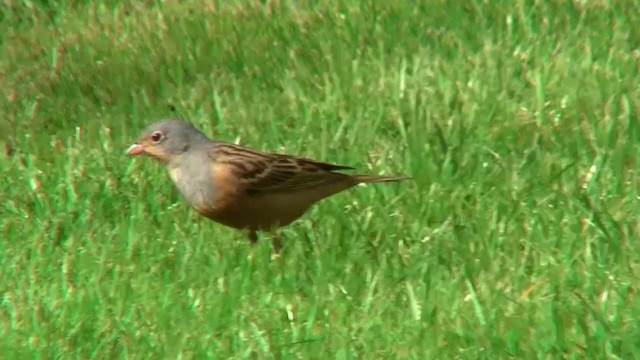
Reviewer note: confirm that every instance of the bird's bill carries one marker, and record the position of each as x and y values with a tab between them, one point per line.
135	149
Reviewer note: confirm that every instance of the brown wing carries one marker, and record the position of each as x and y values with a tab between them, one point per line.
262	172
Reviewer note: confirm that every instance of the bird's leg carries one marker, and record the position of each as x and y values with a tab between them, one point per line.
276	245
253	236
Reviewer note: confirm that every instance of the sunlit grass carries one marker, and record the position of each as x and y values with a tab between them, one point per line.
517	237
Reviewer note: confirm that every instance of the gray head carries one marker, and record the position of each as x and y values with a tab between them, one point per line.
167	139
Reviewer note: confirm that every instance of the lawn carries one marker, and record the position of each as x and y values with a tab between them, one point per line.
516	238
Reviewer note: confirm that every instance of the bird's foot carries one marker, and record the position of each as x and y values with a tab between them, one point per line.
276	246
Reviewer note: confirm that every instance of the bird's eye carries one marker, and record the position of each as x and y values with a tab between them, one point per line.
156	136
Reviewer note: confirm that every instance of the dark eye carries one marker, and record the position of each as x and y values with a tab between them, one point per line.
156	136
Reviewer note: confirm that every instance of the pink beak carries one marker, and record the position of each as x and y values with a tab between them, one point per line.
135	149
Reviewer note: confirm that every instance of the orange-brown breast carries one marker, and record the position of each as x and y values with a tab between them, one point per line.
225	200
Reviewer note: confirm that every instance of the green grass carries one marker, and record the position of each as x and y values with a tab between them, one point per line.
517	119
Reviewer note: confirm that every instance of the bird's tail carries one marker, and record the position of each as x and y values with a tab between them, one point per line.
379	178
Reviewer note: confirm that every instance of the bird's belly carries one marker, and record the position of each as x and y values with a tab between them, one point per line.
264	212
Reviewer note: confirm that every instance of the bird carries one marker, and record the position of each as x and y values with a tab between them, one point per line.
240	187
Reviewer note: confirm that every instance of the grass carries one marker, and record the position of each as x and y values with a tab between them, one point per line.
517	119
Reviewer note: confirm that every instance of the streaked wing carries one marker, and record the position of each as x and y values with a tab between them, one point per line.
263	172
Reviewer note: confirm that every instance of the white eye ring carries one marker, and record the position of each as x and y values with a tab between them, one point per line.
156	136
